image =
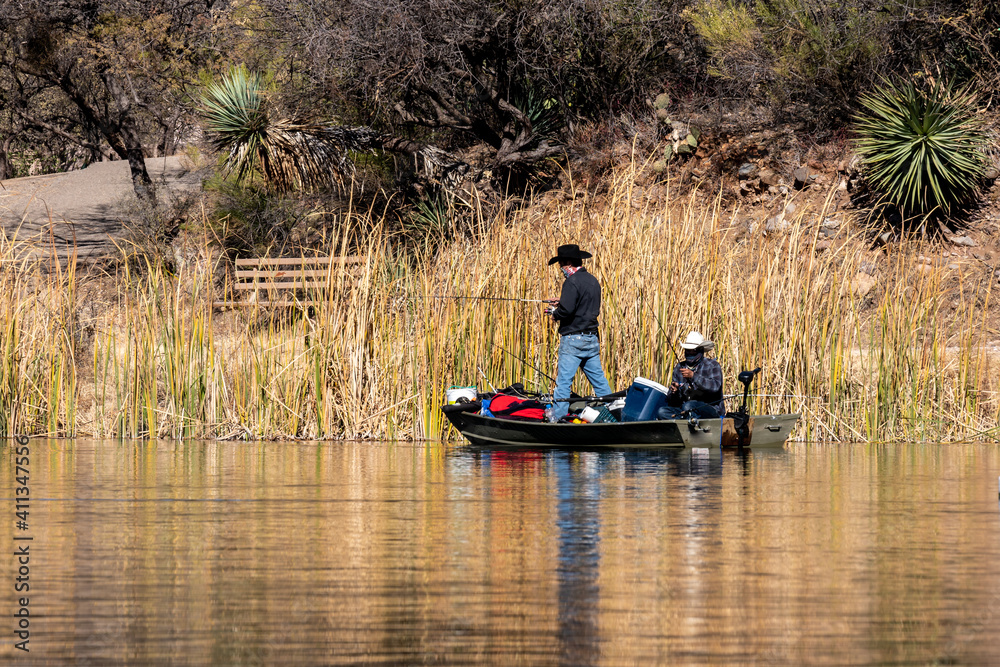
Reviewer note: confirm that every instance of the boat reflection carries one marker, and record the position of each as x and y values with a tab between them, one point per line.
627	461
583	482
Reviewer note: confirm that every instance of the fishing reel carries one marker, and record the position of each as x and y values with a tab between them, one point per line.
685	387
684	390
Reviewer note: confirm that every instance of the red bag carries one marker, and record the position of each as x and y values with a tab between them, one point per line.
511	407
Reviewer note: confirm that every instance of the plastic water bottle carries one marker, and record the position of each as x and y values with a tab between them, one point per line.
550	413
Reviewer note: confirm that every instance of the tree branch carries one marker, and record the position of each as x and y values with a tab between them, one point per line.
542	151
41	124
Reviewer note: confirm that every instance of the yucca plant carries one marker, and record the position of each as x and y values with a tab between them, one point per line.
541	111
921	146
432	218
288	154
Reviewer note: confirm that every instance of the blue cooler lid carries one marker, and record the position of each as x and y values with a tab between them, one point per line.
653	385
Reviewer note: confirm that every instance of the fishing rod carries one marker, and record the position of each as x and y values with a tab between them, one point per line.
770	396
480	369
500	347
481	298
576	398
518	389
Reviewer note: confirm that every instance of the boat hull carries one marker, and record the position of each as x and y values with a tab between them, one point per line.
766	431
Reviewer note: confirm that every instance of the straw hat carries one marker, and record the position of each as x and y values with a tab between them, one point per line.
695	340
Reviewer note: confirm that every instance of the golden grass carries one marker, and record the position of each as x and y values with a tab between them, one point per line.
906	361
37	348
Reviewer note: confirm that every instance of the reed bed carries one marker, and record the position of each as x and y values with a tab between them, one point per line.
373	359
38	321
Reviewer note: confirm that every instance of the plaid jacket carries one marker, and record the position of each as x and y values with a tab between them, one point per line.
705	386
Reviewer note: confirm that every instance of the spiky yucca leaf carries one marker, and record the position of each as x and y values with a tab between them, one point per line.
235	119
922	147
288	154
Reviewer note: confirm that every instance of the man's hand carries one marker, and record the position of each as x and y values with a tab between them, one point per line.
551	309
687	373
675	386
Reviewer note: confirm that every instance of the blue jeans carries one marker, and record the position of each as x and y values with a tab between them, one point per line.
698	409
578	351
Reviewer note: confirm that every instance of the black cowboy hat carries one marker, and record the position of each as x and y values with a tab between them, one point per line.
570	251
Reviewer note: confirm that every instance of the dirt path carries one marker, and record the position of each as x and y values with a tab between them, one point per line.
81	209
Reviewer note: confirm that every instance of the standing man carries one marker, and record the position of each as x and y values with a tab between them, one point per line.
576	313
696	383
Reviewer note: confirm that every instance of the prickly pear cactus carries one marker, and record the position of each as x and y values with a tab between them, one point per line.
682	140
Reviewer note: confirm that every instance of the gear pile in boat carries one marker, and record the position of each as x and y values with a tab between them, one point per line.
516	403
642	401
514	417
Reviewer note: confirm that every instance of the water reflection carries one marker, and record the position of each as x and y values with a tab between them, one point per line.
357	553
579	531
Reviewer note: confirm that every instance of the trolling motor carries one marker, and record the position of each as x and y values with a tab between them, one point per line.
741	418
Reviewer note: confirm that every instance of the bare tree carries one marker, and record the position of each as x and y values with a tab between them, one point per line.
502	73
116	66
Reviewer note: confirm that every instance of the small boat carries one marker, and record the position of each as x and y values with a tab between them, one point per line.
764	431
736	429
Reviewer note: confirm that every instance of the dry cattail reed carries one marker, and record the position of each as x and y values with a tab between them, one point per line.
903	359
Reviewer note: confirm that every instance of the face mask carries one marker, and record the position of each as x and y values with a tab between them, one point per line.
565	270
693	356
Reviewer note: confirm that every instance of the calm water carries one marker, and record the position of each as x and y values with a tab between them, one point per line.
345	553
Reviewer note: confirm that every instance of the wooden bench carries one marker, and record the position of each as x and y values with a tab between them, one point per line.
275	281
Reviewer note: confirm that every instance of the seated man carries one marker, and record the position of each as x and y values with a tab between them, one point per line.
696	383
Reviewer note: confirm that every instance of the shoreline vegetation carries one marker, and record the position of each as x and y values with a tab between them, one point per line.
897	349
448	116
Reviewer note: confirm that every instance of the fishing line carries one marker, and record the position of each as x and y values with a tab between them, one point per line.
534	368
663	331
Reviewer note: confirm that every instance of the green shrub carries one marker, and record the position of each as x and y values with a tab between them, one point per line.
251	220
791	50
729	31
921	145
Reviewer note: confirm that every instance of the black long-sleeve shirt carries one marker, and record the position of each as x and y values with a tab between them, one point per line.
579	304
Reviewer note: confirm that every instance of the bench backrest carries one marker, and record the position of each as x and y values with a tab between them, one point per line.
268	276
